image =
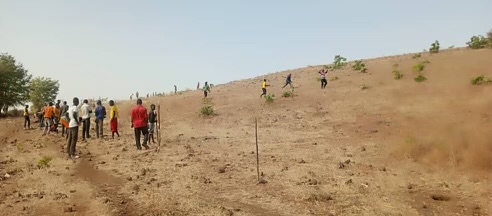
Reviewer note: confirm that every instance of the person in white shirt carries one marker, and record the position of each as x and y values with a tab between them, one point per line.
73	129
86	119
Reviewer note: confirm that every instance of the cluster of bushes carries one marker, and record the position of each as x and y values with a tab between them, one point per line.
480	80
359	66
419	68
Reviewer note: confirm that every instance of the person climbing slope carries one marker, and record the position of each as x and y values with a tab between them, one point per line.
323	78
206	89
288	81
113	116
27	121
139	120
263	87
152	122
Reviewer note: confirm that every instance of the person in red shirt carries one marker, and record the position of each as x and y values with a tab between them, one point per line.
139	119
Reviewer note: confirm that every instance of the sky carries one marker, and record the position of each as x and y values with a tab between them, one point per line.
113	48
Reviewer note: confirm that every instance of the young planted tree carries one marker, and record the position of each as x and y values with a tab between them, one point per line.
338	63
434	47
43	90
396	73
14	82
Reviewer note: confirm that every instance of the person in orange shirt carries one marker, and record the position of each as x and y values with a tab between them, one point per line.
49	113
56	118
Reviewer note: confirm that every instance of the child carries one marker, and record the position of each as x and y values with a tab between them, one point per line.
27	121
113	115
152	122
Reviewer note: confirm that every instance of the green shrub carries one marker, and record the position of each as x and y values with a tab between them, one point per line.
434	47
334	78
287	94
396	73
478	42
338	63
417	55
420	78
44	162
270	98
207	110
419	67
479	80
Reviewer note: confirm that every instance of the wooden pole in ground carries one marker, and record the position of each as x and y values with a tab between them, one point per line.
158	127
257	154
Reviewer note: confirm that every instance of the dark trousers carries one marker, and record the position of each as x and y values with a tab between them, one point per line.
323	83
99	127
86	126
73	134
264	92
205	93
27	122
145	132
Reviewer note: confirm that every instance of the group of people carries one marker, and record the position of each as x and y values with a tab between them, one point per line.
288	81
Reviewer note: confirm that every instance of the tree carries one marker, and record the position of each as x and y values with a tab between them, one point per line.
477	42
489	36
42	91
14	82
434	47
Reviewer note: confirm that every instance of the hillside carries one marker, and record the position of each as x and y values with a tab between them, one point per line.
397	147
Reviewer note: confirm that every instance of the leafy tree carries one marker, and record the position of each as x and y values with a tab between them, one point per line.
477	42
434	47
489	36
14	82
43	90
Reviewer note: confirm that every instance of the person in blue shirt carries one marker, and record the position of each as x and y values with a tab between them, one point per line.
100	115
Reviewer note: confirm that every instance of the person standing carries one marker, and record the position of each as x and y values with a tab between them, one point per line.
113	116
131	97
86	111
152	122
288	81
100	115
27	121
323	78
56	118
263	87
136	94
64	113
48	118
198	86
206	89
139	120
73	129
175	89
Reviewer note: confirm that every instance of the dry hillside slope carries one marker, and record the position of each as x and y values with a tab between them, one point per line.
396	148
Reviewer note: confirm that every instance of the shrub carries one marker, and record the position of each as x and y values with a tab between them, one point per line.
287	94
207	110
420	78
396	73
334	78
479	80
338	63
417	55
419	67
270	98
434	47
44	162
364	87
478	42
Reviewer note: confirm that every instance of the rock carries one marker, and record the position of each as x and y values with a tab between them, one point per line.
124	149
341	165
73	191
382	169
262	181
222	170
7	175
439	197
129	178
349	155
363	148
347	161
69	209
302	161
350	181
312	182
373	131
410	186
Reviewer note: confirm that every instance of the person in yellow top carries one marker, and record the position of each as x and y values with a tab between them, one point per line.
49	112
113	116
27	121
263	87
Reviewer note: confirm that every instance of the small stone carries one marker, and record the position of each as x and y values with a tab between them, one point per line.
341	165
262	181
363	148
73	191
302	161
347	161
382	169
350	181
222	170
69	209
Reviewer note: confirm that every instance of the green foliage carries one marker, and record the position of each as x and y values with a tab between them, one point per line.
334	78
44	162
420	78
478	42
207	110
396	73
417	55
43	90
338	63
359	66
419	67
14	82
287	94
434	47
480	80
270	98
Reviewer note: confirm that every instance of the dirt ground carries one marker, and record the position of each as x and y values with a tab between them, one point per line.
396	148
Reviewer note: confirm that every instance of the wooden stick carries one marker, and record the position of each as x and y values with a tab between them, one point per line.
158	127
257	154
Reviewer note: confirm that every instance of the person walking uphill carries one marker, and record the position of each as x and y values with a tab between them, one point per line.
288	81
152	122
113	116
263	87
48	118
323	78
139	119
86	111
73	129
100	115
206	89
